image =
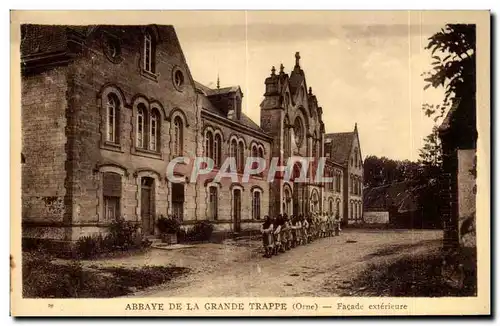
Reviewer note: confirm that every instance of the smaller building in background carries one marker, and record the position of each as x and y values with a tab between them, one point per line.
395	204
343	148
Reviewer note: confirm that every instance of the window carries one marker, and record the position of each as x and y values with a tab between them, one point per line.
234	150
112	119
112	189
238	108
148	55
217	150
178	79
241	157
299	131
330	210
261	155
153	131
141	111
209	145
352	210
338	182
287	141
337	210
256	205
111	208
178	200
212	203
177	137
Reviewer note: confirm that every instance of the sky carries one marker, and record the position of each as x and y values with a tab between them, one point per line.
363	67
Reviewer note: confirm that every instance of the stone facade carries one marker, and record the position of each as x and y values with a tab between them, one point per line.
345	150
105	109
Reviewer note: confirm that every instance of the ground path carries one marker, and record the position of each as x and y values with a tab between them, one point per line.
322	268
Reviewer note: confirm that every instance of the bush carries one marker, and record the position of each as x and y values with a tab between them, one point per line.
201	231
123	234
88	246
168	225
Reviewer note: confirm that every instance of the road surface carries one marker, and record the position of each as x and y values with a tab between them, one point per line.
325	267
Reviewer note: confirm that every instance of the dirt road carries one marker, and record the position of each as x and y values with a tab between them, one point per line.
322	268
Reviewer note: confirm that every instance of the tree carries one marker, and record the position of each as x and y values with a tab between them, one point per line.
430	154
454	53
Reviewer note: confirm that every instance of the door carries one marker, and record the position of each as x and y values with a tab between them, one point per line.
147	206
178	200
237	209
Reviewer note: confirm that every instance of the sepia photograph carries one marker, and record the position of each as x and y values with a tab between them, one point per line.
252	154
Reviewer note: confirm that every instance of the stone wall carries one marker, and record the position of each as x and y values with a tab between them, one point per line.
43	109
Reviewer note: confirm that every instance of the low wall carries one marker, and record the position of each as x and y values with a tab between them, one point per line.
376	217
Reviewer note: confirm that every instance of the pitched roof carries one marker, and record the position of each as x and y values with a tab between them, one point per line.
340	145
401	195
208	105
211	91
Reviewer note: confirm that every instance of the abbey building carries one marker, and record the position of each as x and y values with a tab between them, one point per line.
106	108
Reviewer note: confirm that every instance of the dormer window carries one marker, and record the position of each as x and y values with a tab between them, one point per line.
238	108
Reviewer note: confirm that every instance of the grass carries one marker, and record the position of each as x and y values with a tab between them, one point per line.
42	278
415	276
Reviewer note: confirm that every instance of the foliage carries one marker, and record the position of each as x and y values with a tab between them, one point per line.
168	225
122	235
89	246
43	278
201	231
431	153
453	50
415	276
383	171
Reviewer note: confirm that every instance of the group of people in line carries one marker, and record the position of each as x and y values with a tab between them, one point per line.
284	233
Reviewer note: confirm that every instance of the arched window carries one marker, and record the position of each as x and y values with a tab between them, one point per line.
241	156
178	137
287	141
149	53
234	150
256	205
298	128
337	209
352	210
112	123
141	113
254	151
330	210
213	205
154	126
209	145
217	149
261	155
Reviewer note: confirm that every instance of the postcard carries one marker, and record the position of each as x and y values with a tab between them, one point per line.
250	163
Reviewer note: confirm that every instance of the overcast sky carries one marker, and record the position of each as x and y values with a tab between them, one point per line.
364	67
